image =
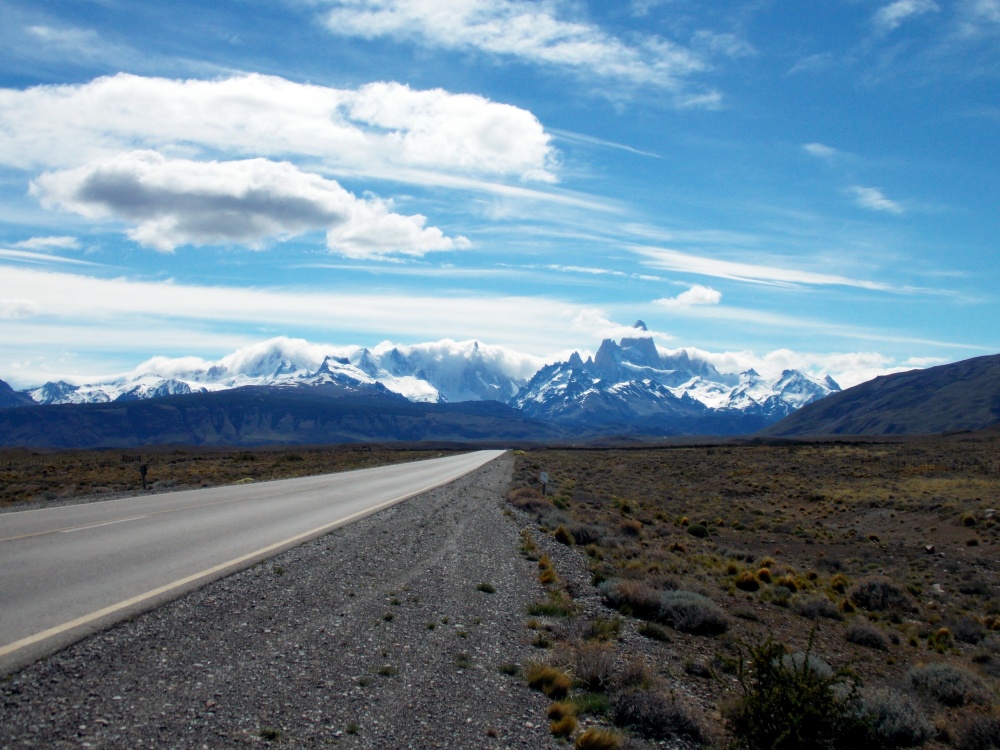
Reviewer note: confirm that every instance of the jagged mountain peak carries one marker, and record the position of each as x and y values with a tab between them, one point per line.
640	325
631	383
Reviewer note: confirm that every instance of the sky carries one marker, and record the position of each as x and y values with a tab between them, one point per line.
769	183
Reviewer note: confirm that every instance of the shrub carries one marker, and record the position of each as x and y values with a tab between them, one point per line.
940	640
789	582
557	605
948	685
800	660
968	630
595	666
979	732
692	613
698	530
486	588
598	739
879	594
816	607
789	703
563	536
631	528
563	727
602	628
654	631
863	633
747	581
530	500
893	719
584	534
640	599
839	583
559	709
654	716
548	680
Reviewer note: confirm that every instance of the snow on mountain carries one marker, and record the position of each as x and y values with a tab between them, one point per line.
632	381
442	371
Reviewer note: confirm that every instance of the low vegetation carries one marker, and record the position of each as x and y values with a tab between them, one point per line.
27	476
825	595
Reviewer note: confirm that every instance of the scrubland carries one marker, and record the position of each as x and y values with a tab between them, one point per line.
37	478
769	596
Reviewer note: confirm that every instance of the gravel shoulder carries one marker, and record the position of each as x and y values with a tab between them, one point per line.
374	636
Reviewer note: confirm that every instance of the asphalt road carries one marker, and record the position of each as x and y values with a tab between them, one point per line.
69	571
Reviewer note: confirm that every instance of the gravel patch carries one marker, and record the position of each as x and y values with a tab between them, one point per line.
374	636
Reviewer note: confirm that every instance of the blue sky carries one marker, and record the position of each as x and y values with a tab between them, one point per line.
771	183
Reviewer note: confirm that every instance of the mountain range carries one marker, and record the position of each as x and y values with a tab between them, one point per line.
287	390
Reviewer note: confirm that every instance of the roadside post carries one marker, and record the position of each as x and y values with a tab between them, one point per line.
544	479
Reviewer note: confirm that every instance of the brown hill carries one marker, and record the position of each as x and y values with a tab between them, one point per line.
956	397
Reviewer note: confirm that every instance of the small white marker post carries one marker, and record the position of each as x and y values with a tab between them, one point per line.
544	479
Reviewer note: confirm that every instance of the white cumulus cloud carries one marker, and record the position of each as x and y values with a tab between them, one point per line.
376	128
536	32
174	202
874	200
696	295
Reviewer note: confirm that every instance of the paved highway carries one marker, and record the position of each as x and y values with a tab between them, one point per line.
66	572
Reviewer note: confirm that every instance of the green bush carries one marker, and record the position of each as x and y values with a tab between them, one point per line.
692	613
878	594
654	716
893	719
683	610
863	633
816	607
948	685
979	732
790	703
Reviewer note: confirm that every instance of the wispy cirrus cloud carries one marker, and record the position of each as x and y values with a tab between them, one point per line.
674	260
36	258
84	312
820	150
874	200
889	17
45	243
540	32
178	201
377	127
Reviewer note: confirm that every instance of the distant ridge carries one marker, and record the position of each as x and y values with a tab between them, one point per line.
948	398
263	415
9	397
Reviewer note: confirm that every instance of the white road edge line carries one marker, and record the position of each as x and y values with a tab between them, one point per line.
10	648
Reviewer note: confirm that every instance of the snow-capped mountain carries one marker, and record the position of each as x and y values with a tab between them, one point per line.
631	384
628	386
444	371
